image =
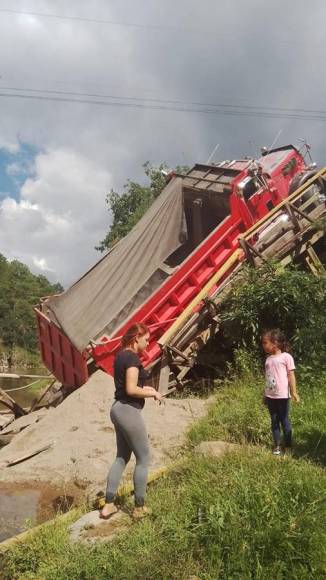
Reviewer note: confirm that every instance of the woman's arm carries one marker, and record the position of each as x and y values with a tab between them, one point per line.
293	386
132	388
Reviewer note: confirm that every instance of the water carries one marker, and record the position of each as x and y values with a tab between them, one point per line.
22	507
17	508
23	397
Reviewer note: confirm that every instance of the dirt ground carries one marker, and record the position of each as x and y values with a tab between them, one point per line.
83	438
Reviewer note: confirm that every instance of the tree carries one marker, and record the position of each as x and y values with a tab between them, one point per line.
273	296
127	208
20	290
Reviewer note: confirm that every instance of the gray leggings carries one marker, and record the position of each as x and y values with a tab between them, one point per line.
131	437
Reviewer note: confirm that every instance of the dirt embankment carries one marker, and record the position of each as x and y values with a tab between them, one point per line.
83	438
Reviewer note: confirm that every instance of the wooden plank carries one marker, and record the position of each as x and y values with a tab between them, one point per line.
313	262
296	248
301	213
11	404
245	246
29	455
293	217
163	385
21	423
39	399
5	420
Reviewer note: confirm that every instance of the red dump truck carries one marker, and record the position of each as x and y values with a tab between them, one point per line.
153	275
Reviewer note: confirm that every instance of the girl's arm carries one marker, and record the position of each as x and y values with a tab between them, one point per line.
293	386
132	388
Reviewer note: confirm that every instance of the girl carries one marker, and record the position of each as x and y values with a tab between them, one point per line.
131	434
280	386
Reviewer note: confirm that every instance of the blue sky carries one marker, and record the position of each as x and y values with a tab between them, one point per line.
15	168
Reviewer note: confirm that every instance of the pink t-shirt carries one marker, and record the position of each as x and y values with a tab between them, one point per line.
277	367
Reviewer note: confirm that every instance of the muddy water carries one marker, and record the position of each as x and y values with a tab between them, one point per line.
17	508
22	507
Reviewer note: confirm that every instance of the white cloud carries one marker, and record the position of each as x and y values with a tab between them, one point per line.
41	264
60	217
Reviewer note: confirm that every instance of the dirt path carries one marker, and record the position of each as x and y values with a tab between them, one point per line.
84	440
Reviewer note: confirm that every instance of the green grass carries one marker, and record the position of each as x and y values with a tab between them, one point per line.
248	515
238	415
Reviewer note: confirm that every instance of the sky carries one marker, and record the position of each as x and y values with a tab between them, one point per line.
158	81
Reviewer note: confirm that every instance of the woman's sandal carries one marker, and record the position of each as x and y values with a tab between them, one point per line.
112	511
141	512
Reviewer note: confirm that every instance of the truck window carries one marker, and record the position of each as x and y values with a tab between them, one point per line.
250	188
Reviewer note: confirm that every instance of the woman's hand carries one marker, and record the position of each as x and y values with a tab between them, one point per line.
158	397
296	397
153	393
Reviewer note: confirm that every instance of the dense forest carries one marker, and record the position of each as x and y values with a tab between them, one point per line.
20	290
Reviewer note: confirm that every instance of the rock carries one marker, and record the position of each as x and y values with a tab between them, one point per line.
215	448
90	528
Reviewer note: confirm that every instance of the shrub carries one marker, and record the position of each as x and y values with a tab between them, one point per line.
271	296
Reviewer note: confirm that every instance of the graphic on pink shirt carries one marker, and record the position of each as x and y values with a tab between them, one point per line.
277	367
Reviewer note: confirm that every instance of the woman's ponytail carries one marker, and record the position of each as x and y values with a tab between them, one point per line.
137	329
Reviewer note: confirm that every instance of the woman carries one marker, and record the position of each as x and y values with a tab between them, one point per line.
131	434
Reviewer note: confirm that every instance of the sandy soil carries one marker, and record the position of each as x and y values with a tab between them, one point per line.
84	440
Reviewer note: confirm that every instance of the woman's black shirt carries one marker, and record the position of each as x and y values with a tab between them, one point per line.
123	361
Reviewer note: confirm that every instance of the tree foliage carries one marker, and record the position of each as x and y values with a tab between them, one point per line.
128	207
20	290
272	296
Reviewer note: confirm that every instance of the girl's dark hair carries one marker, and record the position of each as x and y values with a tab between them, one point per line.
276	336
137	329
